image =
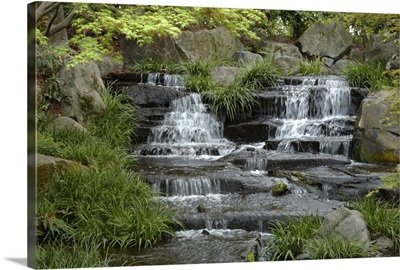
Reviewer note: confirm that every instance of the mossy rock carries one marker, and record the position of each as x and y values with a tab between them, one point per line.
47	165
279	189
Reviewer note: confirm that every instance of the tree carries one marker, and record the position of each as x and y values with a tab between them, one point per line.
94	29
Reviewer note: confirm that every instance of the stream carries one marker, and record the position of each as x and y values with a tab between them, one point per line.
222	189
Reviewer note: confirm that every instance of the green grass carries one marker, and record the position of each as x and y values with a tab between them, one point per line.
333	246
101	205
58	255
258	75
312	67
291	235
110	206
302	235
234	99
367	75
155	64
382	218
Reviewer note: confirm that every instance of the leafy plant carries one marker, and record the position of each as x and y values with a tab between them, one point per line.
57	255
367	75
258	75
333	246
234	99
381	218
290	236
118	123
312	67
155	64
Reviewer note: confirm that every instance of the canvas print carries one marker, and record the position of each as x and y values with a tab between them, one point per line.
167	135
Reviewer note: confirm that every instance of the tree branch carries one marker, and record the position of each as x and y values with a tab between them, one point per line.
44	9
51	22
63	24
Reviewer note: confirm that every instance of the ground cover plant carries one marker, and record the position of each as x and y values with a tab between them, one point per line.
101	203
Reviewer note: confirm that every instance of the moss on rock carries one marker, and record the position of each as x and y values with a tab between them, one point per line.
279	189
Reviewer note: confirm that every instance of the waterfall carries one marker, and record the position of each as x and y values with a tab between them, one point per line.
318	108
192	186
189	130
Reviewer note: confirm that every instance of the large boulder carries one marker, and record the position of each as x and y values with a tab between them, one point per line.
275	50
80	88
382	52
288	65
338	67
47	165
150	96
63	122
377	131
224	75
347	223
107	65
162	48
206	44
246	57
326	40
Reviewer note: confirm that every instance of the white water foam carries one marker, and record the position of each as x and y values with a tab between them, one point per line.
317	108
189	130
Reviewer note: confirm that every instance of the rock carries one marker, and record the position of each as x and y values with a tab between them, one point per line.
382	52
327	61
153	96
326	40
288	65
206	44
384	245
201	208
357	54
80	88
377	131
66	122
205	232
393	63
162	48
275	50
46	165
279	189
108	65
347	223
245	57
338	67
224	75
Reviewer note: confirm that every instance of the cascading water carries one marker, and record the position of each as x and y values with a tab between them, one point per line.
189	130
318	109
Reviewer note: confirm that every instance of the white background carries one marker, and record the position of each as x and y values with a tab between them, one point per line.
13	89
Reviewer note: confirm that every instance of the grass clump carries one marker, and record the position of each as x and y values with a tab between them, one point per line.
156	64
302	236
83	212
312	67
290	236
382	219
112	207
57	255
258	75
234	99
369	75
333	246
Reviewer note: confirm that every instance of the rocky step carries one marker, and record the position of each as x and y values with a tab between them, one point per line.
188	247
263	129
341	182
271	101
191	150
253	212
279	160
328	145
